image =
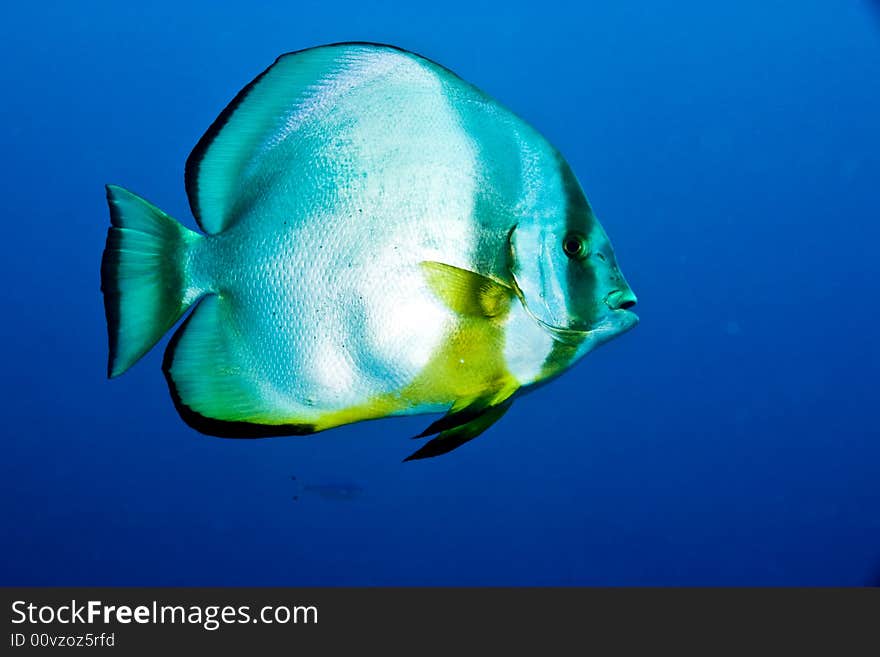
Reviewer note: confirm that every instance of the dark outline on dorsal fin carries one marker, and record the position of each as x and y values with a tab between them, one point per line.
194	160
212	426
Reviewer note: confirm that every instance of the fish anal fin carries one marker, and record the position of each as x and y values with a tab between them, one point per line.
468	293
458	433
213	389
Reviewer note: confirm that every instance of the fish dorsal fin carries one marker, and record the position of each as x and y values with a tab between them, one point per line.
283	118
468	293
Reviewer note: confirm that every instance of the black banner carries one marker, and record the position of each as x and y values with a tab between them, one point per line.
527	620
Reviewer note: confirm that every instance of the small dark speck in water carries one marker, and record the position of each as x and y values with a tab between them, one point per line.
331	491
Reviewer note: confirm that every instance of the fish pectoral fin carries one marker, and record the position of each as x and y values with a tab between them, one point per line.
468	293
458	427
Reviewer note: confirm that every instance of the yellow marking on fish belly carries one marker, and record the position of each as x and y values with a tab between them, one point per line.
469	365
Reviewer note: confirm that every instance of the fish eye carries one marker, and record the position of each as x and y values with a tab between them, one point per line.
575	246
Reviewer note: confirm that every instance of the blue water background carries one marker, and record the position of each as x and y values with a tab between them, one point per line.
732	152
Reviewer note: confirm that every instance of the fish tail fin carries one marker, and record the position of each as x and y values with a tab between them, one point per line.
143	276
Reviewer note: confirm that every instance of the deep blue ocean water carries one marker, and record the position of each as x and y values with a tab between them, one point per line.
732	152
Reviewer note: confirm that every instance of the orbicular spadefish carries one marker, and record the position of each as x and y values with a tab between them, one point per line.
379	237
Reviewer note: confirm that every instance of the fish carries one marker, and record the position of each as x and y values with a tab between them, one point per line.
378	237
330	491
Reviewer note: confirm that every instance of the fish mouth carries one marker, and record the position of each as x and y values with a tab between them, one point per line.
620	299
